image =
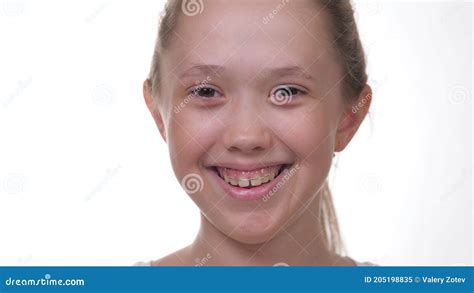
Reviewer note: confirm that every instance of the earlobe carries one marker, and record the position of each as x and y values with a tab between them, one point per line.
153	108
352	119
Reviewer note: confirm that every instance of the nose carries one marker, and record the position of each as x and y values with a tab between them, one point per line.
246	132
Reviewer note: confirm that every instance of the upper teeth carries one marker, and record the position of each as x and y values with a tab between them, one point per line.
244	182
263	176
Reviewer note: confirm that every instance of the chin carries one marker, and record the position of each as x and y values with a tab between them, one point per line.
256	229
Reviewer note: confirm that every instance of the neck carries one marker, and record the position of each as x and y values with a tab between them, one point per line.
300	243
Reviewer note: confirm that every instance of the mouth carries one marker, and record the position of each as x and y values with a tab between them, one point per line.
247	183
250	178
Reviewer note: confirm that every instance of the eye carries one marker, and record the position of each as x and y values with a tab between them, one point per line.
285	94
205	92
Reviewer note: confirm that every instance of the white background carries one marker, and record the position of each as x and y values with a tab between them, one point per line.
85	178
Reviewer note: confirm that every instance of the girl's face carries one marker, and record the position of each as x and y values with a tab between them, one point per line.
252	90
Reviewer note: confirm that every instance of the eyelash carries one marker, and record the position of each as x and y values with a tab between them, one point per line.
195	91
288	92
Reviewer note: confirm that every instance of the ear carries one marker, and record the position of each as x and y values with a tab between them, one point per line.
352	118
152	105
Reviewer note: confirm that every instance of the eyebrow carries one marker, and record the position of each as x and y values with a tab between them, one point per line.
275	72
289	71
200	69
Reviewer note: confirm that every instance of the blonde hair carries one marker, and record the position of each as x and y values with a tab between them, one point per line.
349	48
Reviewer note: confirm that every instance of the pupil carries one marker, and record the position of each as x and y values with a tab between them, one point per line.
206	92
285	92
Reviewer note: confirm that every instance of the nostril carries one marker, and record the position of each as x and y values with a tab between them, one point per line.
258	148
247	139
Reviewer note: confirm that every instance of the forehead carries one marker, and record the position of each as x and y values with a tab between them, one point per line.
250	35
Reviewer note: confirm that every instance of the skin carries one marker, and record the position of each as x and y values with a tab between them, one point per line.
236	122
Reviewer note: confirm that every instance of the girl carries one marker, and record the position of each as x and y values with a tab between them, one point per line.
253	99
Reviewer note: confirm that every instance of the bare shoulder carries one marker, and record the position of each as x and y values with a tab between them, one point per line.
177	258
344	261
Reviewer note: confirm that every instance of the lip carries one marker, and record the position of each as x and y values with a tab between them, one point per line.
248	194
249	167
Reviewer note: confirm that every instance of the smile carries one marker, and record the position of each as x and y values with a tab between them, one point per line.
249	183
249	178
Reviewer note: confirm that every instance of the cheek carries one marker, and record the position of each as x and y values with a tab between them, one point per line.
307	134
310	136
190	134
